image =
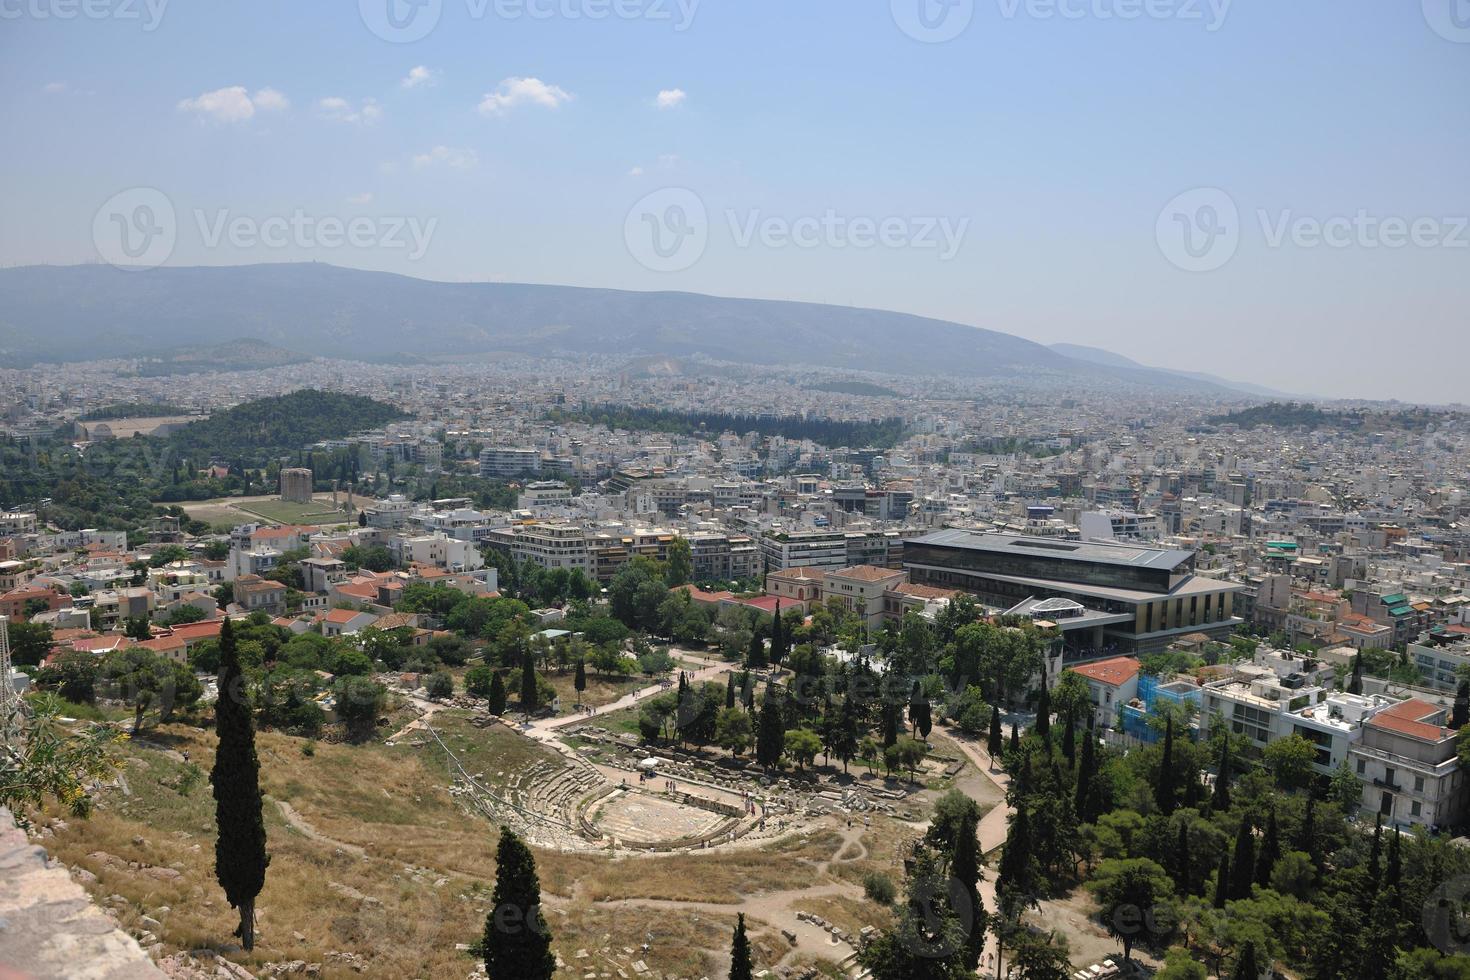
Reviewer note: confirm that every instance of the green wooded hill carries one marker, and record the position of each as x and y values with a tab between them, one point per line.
281	424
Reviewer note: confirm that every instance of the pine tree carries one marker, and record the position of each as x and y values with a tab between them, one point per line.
240	858
1242	871
1016	879
1015	739
1460	714
1043	712
747	691
890	723
497	694
1165	790
996	744
1270	851
1220	801
528	684
579	681
770	739
516	941
964	865
1222	881
740	965
1245	964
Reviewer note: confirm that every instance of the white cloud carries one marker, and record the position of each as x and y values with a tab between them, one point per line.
366	197
636	172
522	91
340	110
54	88
447	157
270	100
234	103
420	76
670	98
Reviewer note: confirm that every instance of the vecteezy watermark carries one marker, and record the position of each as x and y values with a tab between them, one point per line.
149	13
932	21
135	229
1450	19
1446	916
1210	13
936	21
1200	230
405	21
138	229
668	231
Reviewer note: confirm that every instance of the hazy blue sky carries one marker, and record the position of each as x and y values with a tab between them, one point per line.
1022	175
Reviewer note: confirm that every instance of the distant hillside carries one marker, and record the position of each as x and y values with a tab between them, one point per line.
1298	415
84	312
247	354
1107	358
281	424
854	388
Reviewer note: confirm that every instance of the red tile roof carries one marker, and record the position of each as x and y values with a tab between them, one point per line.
1411	718
1113	672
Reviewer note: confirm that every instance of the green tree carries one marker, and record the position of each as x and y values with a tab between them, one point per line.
73	675
516	941
1038	956
734	730
996	744
579	680
1245	964
496	695
679	568
240	858
1136	898
926	940
1242	868
49	759
952	831
740	962
29	643
529	702
770	740
1166	786
802	745
440	685
1290	761
358	702
1180	965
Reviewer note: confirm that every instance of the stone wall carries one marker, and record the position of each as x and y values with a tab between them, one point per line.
49	927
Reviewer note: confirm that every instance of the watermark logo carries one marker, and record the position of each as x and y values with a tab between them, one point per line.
1446	916
147	12
932	21
1210	13
135	229
668	230
400	21
1199	230
1450	19
406	21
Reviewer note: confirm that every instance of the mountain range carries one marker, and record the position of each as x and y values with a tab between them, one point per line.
85	312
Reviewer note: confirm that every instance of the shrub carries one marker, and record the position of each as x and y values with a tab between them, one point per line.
879	887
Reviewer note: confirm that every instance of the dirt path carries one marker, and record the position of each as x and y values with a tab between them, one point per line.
301	826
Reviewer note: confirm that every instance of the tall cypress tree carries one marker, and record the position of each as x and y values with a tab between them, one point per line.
1166	790
240	858
1395	876
1375	860
1222	881
1245	964
1307	835
497	694
1460	714
1015	882
890	722
1069	738
1270	851
770	739
1242	871
778	638
1220	801
730	690
1182	859
579	680
1355	684
740	965
1015	739
1043	712
1085	775
528	684
996	744
516	941
755	657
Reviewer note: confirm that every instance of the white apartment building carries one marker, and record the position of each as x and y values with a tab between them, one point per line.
860	589
1409	767
544	495
497	462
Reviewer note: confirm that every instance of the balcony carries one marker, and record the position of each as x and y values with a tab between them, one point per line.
1385	784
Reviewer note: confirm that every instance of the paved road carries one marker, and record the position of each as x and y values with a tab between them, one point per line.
543	729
